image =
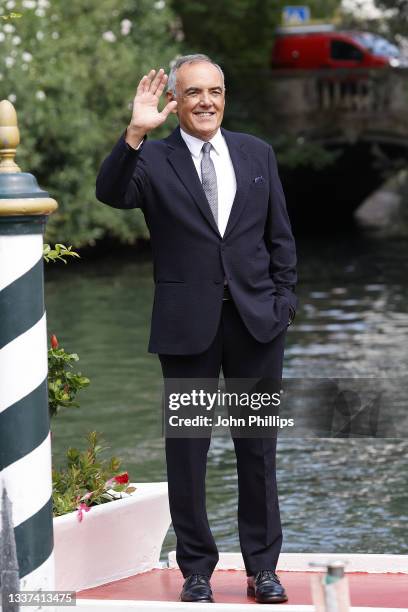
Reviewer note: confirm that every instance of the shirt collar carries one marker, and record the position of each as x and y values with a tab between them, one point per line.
196	144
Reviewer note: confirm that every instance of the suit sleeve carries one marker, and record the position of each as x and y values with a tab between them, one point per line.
122	178
279	238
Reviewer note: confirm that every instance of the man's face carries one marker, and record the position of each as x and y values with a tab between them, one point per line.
200	99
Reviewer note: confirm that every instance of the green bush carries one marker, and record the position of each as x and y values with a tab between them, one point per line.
63	384
71	69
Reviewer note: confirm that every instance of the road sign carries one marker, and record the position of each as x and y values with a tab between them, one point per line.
293	15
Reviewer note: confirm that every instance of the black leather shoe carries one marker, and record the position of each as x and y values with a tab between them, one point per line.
197	588
266	588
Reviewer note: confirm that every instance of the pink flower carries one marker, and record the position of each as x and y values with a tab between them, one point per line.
81	509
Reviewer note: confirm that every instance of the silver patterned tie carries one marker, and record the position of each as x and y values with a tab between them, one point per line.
209	180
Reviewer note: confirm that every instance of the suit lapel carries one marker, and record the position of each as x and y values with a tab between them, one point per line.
242	167
180	159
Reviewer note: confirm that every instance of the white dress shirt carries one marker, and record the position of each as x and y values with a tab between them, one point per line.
226	181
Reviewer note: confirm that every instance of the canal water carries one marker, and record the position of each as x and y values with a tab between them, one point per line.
336	495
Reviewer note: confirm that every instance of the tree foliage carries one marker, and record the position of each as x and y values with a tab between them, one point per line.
71	69
396	16
386	17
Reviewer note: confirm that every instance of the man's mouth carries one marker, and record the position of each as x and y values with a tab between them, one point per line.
204	114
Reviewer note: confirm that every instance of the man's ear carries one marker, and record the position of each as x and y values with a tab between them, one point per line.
169	98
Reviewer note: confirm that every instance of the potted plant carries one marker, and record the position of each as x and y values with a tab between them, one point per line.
105	527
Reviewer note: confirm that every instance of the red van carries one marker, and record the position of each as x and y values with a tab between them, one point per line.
314	47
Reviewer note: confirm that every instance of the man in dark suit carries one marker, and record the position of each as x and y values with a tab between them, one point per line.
224	270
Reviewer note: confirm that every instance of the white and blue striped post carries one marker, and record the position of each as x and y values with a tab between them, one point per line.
25	449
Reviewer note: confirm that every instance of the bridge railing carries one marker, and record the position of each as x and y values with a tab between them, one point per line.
348	104
357	90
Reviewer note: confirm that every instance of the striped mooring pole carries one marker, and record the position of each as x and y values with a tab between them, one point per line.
25	449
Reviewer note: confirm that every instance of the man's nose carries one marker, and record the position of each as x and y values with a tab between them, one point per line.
205	99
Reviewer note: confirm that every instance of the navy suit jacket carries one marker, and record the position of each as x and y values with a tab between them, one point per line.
191	259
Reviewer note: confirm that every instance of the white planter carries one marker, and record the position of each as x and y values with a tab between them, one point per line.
114	540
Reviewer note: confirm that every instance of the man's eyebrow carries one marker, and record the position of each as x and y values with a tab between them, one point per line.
189	89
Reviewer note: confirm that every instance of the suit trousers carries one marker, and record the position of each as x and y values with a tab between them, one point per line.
241	357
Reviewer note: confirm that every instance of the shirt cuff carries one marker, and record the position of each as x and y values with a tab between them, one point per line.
129	147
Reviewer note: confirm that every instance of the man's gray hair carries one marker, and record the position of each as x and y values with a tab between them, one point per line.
189	59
